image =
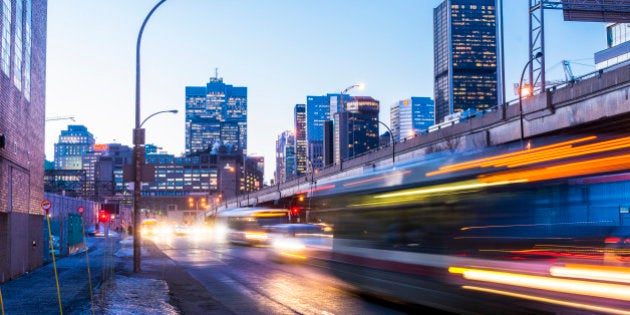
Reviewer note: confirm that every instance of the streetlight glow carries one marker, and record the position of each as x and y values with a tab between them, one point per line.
521	90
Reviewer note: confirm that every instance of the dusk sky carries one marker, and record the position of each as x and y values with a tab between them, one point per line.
281	50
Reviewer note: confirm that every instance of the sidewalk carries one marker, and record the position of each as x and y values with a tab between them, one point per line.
161	288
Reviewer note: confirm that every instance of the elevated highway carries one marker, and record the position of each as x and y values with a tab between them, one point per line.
597	102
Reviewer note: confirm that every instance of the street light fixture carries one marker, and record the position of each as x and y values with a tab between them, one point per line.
359	86
138	158
530	91
391	136
172	111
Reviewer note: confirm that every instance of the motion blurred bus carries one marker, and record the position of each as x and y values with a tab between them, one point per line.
536	228
249	226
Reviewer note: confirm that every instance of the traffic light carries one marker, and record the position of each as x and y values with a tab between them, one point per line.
103	216
295	214
295	211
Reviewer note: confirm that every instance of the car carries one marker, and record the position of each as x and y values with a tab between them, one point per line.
293	242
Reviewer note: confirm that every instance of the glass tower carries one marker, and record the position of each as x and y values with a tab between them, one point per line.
465	56
300	139
319	109
356	129
412	116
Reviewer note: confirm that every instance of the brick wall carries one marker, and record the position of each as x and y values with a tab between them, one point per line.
22	119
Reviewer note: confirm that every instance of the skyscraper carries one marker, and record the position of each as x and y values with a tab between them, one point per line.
465	56
356	128
318	110
411	116
285	157
299	116
216	114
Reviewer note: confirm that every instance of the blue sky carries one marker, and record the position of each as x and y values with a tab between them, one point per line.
282	50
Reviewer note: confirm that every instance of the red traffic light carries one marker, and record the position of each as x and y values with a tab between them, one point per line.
295	210
103	216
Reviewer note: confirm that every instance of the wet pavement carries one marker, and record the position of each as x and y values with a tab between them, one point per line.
108	286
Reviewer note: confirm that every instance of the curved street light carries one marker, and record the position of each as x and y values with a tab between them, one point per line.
173	111
391	136
138	141
520	91
360	86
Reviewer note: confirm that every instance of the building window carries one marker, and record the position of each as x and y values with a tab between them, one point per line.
5	37
27	48
17	57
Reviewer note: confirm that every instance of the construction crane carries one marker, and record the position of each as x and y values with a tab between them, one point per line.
60	118
568	73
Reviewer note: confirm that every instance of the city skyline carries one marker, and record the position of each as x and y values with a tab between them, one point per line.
292	51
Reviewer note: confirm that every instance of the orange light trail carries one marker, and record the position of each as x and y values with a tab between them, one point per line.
589	167
579	287
602	273
489	160
558	151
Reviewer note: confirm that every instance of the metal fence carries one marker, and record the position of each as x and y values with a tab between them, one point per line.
69	218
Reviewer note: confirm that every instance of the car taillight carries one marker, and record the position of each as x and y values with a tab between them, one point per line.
612	240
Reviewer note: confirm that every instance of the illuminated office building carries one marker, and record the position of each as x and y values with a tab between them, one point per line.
355	129
301	163
411	117
73	144
285	157
465	57
319	109
216	114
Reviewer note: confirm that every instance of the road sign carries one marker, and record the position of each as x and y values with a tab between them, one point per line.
46	205
80	209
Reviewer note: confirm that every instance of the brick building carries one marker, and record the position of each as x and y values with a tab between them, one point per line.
22	118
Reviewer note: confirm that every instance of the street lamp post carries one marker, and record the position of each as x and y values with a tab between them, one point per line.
138	157
138	162
520	91
391	136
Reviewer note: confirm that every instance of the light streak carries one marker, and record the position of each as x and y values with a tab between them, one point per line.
580	287
589	167
488	160
549	153
371	179
603	273
583	306
469	184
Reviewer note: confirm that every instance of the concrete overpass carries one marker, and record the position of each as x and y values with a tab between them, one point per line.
597	102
